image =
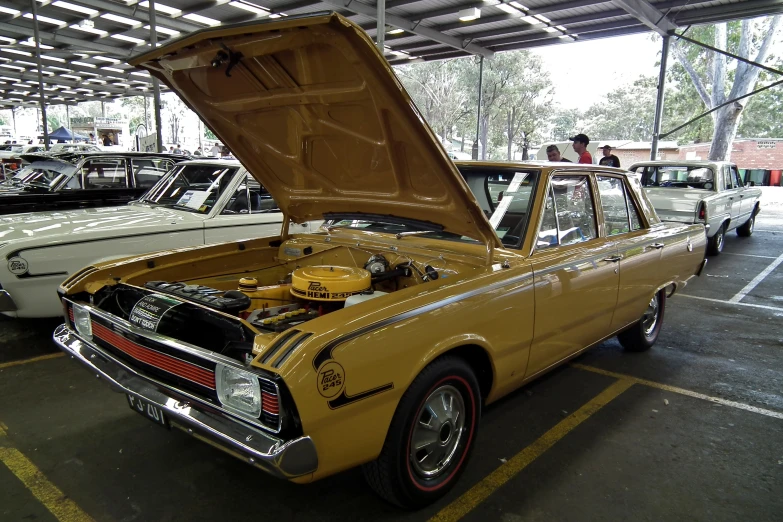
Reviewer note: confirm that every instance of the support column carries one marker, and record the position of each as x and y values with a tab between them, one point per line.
155	82
475	148
380	32
659	99
40	74
68	120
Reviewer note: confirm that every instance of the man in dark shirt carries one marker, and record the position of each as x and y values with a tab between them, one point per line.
553	154
609	159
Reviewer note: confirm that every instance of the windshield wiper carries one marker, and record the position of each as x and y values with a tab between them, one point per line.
400	235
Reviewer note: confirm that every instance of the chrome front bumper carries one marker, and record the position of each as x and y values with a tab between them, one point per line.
283	459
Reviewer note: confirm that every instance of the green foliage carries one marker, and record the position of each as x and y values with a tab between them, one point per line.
208	134
627	113
52	121
564	122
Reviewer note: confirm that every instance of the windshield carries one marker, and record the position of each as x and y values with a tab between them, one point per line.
195	188
681	176
505	196
44	173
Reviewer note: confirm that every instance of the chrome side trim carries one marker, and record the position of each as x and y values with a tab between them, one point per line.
281	458
6	302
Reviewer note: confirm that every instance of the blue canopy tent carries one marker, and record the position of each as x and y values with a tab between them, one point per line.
66	135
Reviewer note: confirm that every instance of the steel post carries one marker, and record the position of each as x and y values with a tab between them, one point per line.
380	35
40	74
155	82
475	148
659	100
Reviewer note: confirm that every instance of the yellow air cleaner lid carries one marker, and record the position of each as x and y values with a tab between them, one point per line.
329	283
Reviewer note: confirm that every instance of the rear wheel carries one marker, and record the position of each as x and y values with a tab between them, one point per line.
642	335
747	229
430	437
715	243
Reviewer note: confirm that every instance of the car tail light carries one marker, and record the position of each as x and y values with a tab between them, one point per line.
702	212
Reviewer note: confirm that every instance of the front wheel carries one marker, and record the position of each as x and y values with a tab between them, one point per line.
642	335
747	229
715	243
430	436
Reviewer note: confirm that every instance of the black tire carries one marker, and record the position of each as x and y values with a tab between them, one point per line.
393	475
746	230
715	243
642	335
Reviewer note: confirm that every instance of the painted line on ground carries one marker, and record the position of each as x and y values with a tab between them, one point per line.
63	508
478	493
681	391
756	280
748	255
32	360
767	231
751	305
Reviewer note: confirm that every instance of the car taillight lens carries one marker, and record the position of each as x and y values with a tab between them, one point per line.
702	212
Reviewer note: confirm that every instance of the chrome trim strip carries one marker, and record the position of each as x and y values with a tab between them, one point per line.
6	302
284	459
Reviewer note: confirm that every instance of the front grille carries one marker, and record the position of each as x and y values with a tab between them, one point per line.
168	364
182	370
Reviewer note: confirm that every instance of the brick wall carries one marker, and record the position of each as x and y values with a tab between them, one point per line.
747	154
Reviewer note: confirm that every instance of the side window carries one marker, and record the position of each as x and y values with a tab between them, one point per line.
620	212
104	173
147	172
727	179
574	214
250	198
737	178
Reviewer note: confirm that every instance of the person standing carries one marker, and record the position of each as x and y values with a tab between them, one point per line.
553	154
215	150
609	159
177	149
580	147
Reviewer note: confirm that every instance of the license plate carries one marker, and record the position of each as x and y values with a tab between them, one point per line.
150	411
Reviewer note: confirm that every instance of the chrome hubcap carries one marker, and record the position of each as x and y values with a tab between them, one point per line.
437	431
650	317
719	240
752	223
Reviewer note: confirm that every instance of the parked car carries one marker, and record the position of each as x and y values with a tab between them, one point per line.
57	148
707	192
82	179
10	157
196	203
378	340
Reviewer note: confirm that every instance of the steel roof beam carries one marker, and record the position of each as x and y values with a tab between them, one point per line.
726	12
57	81
648	15
67	40
412	27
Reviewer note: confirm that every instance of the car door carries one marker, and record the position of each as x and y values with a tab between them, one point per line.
733	195
638	248
575	272
746	204
249	212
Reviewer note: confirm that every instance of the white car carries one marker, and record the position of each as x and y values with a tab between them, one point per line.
196	203
708	192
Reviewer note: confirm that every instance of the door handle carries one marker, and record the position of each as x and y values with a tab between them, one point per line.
657	246
742	195
731	198
613	259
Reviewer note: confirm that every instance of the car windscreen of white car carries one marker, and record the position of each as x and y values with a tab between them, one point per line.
195	188
44	174
678	177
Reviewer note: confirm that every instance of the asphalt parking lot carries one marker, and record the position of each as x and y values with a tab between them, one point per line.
690	430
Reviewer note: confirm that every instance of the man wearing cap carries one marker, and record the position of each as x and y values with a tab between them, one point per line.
609	159
580	147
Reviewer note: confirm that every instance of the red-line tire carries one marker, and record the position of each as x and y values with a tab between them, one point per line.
394	475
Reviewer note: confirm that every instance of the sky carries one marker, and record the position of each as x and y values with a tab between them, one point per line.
584	72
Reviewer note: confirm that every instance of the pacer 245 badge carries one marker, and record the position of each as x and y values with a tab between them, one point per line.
331	379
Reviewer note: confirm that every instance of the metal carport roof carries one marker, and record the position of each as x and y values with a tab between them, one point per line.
86	43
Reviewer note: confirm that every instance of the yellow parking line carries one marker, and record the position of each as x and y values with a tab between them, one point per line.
63	508
682	391
478	493
32	360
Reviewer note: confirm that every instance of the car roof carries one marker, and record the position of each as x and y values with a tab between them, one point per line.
683	163
543	165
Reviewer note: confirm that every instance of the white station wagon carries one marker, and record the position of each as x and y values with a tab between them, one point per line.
196	203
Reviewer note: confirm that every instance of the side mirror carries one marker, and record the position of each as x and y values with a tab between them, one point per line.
750	184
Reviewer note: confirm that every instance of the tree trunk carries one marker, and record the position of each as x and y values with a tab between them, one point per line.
13	117
484	135
726	125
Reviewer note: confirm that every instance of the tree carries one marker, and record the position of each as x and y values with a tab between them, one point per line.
626	114
711	75
564	123
439	92
138	109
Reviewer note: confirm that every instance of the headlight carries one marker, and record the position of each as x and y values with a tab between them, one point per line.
238	390
82	321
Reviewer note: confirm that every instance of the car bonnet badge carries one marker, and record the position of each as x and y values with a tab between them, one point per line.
17	265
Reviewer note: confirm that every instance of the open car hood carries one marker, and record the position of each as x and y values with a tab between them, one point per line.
315	113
